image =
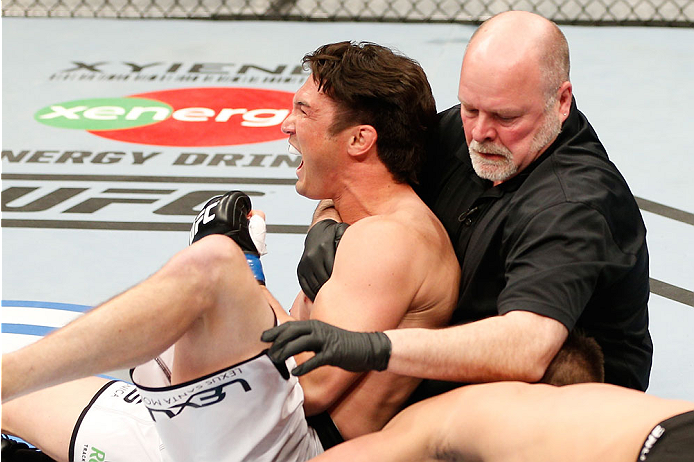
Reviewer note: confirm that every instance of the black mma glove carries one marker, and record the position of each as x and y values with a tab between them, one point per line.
351	351
316	264
228	215
15	451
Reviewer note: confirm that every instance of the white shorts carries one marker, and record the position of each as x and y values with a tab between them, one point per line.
247	412
116	427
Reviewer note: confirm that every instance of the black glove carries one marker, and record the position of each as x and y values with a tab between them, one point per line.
316	264
228	215
14	451
352	351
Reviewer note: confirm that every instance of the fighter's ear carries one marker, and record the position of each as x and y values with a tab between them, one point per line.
363	139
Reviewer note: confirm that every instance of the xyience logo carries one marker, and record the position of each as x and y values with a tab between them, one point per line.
180	117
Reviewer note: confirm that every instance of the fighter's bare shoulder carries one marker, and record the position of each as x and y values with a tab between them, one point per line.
409	242
411	223
407	258
393	233
381	237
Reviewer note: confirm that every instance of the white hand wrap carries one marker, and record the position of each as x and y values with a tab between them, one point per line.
257	230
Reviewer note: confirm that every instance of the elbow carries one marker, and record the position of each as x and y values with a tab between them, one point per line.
533	341
528	368
324	388
534	372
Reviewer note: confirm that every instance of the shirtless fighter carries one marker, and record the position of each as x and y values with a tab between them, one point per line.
503	421
360	124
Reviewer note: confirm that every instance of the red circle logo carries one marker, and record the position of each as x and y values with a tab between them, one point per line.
210	117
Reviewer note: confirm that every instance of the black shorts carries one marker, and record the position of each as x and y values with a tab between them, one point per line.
670	441
326	430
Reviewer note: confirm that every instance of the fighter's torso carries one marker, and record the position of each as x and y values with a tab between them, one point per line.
427	257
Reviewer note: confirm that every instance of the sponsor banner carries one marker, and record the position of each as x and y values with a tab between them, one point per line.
119	189
121	202
245	72
111	148
178	117
149	159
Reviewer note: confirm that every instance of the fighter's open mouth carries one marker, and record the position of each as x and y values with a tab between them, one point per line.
292	150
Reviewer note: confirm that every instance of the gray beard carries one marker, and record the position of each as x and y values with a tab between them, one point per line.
499	170
492	169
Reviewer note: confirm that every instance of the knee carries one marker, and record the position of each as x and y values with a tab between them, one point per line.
208	262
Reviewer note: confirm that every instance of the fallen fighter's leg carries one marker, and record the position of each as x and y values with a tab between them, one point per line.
206	302
214	315
37	418
205	299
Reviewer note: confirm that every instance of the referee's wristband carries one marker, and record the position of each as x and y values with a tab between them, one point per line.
256	267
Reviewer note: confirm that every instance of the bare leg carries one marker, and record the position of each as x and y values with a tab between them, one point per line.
228	329
47	418
204	299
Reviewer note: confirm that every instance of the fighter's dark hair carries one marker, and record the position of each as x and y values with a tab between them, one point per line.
372	85
579	360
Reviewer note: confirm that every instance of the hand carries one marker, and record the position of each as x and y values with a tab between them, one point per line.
229	215
316	264
352	351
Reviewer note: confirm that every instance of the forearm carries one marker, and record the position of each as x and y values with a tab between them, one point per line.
507	347
276	306
301	308
323	387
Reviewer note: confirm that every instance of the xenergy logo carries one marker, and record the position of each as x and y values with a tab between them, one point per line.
179	117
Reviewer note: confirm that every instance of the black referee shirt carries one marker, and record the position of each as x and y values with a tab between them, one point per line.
564	238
